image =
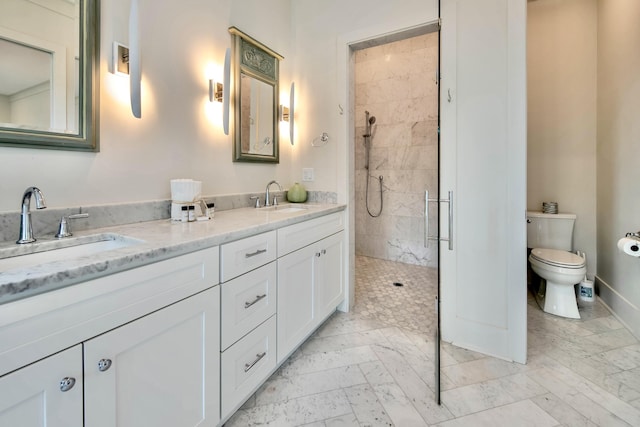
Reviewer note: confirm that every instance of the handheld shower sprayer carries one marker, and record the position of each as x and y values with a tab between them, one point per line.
369	122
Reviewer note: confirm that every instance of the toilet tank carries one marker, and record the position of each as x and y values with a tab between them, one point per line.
550	231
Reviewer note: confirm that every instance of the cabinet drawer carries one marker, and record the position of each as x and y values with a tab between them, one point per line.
298	235
246	364
247	254
247	301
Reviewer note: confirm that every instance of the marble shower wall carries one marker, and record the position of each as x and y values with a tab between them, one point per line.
395	82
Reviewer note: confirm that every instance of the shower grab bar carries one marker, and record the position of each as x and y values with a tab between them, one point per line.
427	237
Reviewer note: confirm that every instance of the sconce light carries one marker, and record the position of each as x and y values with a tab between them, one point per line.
283	113
120	59
292	97
226	87
215	91
135	72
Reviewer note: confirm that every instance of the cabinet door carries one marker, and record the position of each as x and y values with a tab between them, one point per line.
33	396
296	305
329	274
160	370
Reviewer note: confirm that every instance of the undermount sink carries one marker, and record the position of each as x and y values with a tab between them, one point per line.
288	208
33	254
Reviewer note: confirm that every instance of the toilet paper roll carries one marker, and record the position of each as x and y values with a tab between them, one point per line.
629	246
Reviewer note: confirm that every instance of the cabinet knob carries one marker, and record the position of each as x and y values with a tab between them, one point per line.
318	254
104	364
324	251
67	383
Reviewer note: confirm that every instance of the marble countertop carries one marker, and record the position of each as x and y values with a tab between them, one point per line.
158	240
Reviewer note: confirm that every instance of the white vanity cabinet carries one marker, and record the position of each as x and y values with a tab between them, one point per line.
143	347
47	393
310	278
160	370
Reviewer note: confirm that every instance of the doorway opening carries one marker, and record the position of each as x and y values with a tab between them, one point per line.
395	152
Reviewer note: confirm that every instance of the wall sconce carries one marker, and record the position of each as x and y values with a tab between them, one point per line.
215	91
135	72
120	59
283	113
292	104
226	87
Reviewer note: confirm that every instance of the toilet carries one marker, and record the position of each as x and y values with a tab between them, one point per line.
550	238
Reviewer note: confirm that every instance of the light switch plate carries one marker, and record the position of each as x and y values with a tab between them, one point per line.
307	174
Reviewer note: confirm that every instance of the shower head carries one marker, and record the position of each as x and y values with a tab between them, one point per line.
372	120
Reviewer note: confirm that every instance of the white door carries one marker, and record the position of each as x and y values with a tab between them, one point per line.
47	393
483	161
296	299
329	274
160	370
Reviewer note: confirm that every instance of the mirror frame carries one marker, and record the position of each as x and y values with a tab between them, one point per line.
240	40
87	138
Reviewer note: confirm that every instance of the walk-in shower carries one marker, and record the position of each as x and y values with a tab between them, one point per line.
368	136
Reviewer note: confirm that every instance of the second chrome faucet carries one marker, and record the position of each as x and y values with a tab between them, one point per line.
267	199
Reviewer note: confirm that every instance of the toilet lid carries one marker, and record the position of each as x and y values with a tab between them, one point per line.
558	258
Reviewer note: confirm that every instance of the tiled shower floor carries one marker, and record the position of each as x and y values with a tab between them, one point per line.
368	368
411	306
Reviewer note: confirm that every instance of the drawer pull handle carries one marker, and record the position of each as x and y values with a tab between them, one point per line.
258	252
258	298
104	365
67	383
259	357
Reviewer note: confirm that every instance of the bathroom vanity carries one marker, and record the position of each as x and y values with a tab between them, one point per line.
179	329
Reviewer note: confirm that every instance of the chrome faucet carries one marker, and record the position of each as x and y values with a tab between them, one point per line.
267	198
26	231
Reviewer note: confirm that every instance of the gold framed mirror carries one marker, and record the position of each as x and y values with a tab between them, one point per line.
255	100
49	74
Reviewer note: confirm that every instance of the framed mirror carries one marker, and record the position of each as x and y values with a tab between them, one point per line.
255	100
49	74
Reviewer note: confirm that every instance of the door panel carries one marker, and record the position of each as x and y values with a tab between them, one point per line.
163	369
483	161
32	396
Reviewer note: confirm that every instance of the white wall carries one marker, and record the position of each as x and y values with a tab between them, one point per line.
175	137
618	153
561	87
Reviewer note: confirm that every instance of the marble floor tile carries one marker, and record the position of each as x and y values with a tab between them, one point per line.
294	412
376	373
489	394
602	324
317	362
367	407
348	420
413	386
595	403
521	414
398	406
280	388
318	344
480	370
627	357
562	412
613	339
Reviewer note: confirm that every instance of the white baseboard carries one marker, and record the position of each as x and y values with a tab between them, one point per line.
626	312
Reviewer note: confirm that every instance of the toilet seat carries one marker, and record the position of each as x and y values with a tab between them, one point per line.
557	258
